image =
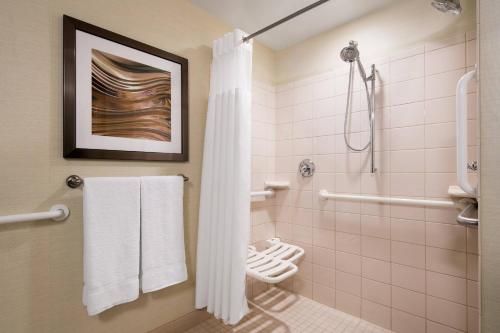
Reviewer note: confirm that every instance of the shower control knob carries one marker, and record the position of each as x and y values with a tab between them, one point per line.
306	168
472	166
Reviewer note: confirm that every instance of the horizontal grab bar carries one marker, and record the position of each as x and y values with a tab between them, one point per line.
261	193
323	194
56	213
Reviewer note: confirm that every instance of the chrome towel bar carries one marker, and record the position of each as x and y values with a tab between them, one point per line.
75	181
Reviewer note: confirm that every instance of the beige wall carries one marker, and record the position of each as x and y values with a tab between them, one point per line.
399	26
41	263
489	51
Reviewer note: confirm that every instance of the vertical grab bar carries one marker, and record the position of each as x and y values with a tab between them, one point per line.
461	130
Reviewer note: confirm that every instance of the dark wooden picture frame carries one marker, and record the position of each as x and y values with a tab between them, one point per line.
71	25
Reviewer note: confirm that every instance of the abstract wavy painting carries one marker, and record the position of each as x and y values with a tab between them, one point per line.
130	99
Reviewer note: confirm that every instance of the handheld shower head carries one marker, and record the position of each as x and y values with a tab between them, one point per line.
447	6
350	53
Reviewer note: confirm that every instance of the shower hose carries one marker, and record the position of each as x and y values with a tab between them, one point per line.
348	106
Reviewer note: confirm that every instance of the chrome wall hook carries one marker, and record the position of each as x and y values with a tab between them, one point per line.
74	181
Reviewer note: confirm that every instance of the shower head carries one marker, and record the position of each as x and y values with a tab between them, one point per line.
447	6
350	53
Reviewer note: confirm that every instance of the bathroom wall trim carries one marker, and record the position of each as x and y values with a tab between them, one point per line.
183	323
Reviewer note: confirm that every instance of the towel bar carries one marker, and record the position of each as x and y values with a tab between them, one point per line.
75	181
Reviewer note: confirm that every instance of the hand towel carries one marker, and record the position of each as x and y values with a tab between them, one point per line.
111	242
163	261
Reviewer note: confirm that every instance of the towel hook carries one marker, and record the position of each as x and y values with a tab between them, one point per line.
75	181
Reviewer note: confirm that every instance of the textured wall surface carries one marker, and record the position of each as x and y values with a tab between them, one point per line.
489	49
41	262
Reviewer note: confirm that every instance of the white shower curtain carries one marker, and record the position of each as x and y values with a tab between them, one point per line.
224	220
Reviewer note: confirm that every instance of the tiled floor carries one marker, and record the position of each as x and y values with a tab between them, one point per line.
279	311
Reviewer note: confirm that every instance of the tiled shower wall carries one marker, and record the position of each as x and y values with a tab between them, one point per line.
263	159
263	169
405	268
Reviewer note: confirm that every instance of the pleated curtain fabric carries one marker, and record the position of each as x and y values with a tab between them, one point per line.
224	218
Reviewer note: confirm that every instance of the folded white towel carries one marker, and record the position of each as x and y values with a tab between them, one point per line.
163	261
111	228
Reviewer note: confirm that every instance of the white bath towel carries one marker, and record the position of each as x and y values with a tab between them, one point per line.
163	261
111	228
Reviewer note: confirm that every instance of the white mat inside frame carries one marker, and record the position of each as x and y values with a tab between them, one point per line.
274	264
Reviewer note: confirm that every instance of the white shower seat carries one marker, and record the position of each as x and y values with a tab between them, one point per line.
274	264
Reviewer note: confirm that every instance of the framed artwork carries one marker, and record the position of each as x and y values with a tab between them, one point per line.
122	99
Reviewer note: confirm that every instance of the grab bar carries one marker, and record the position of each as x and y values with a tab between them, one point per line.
56	213
266	193
464	217
323	194
461	128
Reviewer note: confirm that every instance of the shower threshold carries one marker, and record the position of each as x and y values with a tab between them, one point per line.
279	311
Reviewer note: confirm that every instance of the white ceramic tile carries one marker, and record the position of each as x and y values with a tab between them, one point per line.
408	301
443	84
407	68
411	114
408	184
408	161
448	313
303	129
407	91
445	59
324	108
324	126
303	111
447	287
407	138
440	135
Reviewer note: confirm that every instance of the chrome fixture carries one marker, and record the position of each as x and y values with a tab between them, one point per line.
285	19
306	168
472	166
447	6
350	54
75	181
469	215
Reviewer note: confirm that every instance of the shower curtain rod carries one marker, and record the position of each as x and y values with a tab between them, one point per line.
283	20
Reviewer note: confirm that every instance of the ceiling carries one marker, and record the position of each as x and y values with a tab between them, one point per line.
252	15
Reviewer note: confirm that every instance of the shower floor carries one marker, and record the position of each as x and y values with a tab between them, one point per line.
279	311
